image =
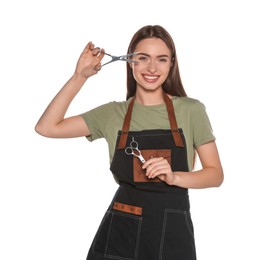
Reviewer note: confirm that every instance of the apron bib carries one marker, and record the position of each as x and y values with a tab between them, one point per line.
147	218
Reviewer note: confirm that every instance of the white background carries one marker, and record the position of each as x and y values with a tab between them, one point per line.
54	192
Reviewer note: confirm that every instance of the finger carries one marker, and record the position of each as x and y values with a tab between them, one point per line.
101	54
158	165
88	46
96	51
151	161
158	169
98	67
161	172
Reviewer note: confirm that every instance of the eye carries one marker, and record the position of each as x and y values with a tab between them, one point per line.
163	60
143	58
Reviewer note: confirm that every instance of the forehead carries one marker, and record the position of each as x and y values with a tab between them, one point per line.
153	46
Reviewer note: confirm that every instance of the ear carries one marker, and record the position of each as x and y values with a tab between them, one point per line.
172	62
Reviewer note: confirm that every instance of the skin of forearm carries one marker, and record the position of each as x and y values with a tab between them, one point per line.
205	178
56	110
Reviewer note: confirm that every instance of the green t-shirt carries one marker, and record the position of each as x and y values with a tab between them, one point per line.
106	120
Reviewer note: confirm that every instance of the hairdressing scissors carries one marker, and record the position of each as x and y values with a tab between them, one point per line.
133	149
122	58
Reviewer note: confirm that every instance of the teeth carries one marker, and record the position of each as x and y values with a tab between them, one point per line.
150	77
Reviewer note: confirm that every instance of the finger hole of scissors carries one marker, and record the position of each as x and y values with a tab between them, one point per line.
128	151
134	144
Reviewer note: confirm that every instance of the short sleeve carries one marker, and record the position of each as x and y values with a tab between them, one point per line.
201	126
97	119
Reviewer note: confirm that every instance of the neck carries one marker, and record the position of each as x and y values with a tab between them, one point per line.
149	98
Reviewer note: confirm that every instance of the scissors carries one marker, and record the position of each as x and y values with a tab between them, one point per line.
122	58
133	149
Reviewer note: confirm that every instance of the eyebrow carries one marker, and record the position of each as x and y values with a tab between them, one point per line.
159	56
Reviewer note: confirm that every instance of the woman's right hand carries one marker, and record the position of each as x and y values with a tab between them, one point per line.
52	122
89	62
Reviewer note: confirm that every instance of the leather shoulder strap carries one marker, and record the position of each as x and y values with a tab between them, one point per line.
173	122
126	126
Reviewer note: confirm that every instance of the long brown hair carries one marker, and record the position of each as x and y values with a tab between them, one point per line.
173	84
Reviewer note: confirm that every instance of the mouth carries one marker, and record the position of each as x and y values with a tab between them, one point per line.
150	78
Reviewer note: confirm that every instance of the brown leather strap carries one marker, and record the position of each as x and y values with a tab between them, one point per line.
173	122
172	119
127	208
126	126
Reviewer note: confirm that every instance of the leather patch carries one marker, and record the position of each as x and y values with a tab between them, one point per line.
139	174
127	208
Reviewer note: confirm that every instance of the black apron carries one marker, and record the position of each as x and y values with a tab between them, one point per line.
147	218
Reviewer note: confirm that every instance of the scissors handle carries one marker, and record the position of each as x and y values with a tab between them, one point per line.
135	152
133	149
129	151
134	145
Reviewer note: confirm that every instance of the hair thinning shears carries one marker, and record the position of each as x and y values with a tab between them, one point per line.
133	149
122	58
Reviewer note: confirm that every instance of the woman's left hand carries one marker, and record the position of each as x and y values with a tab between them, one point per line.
159	167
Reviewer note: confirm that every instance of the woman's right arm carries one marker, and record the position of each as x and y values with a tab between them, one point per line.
53	123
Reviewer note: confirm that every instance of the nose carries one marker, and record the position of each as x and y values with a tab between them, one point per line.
152	66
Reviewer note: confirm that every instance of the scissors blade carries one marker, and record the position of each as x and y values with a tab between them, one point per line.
125	57
131	54
141	158
107	62
134	61
122	58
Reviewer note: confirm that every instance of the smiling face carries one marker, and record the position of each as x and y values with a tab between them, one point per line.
154	63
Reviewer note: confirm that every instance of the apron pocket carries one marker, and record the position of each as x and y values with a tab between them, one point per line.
139	174
118	236
177	240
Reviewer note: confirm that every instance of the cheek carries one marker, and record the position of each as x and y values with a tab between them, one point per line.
167	69
136	69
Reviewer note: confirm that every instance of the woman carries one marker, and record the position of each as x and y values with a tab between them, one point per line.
149	216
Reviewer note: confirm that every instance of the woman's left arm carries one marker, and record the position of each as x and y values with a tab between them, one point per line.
211	174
